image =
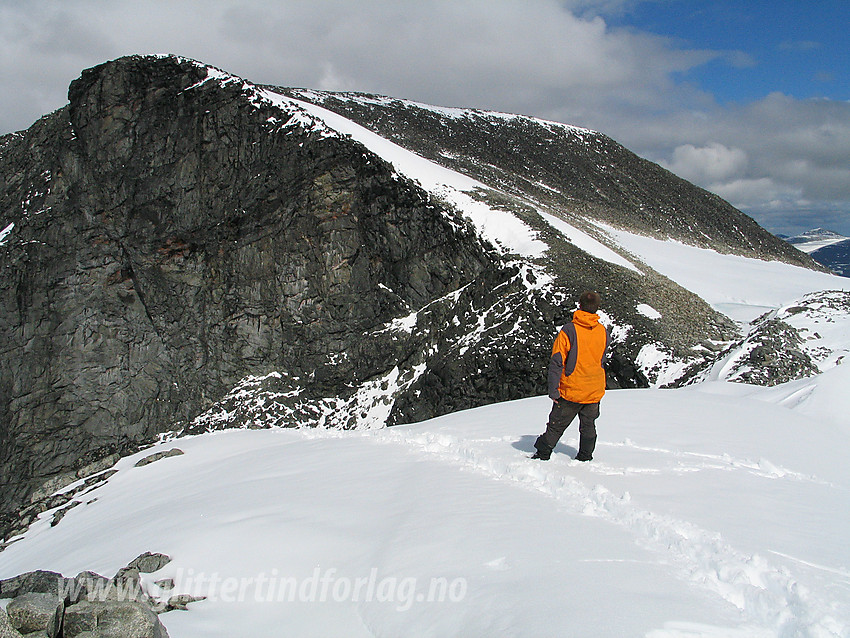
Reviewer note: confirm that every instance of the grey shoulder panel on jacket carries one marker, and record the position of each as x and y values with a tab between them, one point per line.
572	356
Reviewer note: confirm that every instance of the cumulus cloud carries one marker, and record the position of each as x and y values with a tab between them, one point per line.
782	157
707	164
762	192
508	55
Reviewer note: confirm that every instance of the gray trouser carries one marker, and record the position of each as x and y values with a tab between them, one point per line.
562	414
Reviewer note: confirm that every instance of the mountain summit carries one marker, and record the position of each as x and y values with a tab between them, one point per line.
185	250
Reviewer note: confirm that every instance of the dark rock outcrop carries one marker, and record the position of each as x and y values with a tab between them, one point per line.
39	582
112	620
153	458
150	562
33	612
46	497
176	243
786	344
771	355
47	603
6	628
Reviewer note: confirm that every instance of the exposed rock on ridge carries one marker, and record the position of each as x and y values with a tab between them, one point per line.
796	341
584	174
48	604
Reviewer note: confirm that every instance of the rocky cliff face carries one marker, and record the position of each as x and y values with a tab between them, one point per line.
182	250
170	240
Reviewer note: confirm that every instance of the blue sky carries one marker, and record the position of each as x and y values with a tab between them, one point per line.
801	49
748	99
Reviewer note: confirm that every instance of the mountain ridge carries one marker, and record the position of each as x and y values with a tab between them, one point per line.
185	250
422	128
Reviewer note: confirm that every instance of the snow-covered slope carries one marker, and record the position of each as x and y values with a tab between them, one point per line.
752	292
707	511
740	287
812	334
765	285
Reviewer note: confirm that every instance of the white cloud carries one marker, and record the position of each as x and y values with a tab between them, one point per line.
762	191
708	164
507	55
796	156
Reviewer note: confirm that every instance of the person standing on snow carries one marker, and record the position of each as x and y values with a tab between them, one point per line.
576	379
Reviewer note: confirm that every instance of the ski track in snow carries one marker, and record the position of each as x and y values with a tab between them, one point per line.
769	596
762	468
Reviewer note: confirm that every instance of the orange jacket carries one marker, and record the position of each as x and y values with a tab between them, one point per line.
575	369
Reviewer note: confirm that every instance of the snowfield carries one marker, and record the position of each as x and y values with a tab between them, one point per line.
709	511
742	288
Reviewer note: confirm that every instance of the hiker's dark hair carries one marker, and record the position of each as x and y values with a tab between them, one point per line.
589	301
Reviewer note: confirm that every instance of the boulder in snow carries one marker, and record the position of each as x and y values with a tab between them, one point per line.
158	456
40	582
113	620
34	612
150	562
6	629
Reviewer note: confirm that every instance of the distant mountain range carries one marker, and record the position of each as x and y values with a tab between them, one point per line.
826	247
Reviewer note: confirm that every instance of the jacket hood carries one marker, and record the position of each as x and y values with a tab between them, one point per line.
585	319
